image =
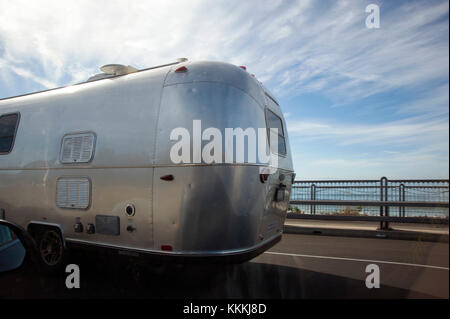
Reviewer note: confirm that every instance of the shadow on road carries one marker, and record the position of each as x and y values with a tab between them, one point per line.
120	277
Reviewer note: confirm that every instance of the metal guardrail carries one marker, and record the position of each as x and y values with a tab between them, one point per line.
370	203
374	197
390	219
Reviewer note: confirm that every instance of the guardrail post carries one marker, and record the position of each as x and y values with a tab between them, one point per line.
384	211
386	198
401	198
312	208
381	199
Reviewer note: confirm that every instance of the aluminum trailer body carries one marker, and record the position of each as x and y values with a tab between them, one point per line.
87	161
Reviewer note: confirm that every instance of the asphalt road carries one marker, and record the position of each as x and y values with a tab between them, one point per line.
300	266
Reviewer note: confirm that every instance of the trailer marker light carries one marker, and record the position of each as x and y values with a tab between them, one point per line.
166	247
252	75
263	177
181	69
243	67
167	177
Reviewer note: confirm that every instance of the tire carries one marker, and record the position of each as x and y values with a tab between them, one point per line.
51	249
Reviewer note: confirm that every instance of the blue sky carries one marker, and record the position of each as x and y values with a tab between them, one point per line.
359	102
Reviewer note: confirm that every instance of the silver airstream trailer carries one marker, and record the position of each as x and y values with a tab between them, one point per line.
91	164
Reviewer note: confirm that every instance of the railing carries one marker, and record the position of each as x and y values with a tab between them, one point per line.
405	200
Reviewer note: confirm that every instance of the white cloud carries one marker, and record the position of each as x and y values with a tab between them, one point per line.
26	74
296	46
424	162
411	131
293	47
434	103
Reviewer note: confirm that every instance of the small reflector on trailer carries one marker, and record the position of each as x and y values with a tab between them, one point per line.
181	69
167	177
252	75
166	247
243	67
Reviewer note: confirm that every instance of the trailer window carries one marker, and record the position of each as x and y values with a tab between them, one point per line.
275	128
8	128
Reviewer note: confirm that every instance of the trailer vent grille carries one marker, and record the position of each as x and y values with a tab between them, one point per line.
77	148
73	192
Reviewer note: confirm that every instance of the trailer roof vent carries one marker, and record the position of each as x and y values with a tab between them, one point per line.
117	69
110	70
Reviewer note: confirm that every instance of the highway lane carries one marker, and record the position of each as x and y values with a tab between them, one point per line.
300	266
407	268
415	252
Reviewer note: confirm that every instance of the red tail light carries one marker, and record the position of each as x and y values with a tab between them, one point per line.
181	69
166	247
263	177
243	67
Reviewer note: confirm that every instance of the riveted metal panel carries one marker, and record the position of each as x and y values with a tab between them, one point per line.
218	72
73	192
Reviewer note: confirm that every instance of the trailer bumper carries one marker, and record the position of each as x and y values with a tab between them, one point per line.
162	257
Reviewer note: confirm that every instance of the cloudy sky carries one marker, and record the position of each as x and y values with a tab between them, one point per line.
359	102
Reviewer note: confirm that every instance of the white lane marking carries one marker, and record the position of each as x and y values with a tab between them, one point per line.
360	260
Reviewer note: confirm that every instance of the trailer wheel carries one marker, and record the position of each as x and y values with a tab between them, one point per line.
51	248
